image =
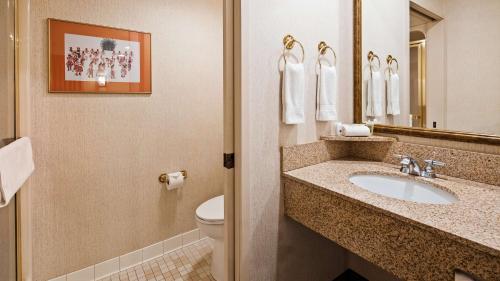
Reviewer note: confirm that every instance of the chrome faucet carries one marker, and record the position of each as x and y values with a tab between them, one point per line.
429	172
410	166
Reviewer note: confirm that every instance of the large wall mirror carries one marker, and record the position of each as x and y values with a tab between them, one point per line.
429	68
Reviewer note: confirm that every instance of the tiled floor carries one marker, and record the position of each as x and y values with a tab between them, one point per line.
191	263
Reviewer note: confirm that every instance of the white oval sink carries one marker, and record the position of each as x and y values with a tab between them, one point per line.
404	189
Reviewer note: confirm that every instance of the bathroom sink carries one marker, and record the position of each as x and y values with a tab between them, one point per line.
404	189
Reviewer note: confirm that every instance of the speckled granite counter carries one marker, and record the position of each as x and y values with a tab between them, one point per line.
414	241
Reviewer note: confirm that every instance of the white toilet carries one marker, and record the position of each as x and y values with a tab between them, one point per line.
210	220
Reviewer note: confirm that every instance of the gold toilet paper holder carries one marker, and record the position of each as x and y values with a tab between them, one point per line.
164	178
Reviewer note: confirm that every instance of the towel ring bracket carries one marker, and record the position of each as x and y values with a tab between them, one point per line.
371	56
390	60
289	43
323	48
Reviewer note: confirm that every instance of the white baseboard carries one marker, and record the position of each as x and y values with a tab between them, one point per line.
114	265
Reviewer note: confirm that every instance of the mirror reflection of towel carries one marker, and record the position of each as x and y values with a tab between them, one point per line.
393	94
374	95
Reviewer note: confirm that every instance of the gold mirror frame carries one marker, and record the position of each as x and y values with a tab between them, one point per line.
399	130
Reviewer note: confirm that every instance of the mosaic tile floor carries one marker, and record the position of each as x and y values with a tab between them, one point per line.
191	263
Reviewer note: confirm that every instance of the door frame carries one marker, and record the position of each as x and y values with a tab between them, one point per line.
422	60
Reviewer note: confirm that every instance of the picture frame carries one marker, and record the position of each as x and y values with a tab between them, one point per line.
88	58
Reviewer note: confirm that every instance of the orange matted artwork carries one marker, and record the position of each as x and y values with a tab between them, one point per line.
86	58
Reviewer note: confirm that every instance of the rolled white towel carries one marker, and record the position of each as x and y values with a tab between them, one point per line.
355	130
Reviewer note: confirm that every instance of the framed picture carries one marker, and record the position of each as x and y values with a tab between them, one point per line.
85	58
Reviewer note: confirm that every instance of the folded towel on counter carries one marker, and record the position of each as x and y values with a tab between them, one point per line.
293	93
326	96
355	130
16	165
393	94
374	95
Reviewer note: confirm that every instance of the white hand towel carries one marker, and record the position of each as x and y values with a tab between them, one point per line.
326	96
355	130
16	165
374	95
293	93
393	94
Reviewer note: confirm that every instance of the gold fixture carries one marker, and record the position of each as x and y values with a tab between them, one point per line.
390	60
371	55
164	178
323	48
421	75
288	43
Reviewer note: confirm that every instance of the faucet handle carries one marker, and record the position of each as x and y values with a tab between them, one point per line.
405	163
429	172
405	159
434	163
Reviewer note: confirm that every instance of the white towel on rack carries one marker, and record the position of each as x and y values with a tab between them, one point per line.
326	96
393	94
374	95
293	93
16	165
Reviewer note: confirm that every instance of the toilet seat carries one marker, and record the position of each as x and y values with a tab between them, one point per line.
211	211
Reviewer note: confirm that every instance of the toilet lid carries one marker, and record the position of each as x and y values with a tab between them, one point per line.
212	210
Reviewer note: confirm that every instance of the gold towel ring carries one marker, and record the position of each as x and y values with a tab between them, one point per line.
371	56
289	43
390	60
323	48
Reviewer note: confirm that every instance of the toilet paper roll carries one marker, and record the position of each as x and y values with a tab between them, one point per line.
175	180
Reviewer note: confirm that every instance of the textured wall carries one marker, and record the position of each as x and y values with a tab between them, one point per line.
8	242
472	99
385	30
95	192
7	110
7	114
272	247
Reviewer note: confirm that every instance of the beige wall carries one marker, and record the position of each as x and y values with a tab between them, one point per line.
7	114
434	6
6	71
385	31
8	242
458	96
95	192
472	65
272	247
462	91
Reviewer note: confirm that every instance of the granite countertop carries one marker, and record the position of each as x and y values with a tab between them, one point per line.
473	220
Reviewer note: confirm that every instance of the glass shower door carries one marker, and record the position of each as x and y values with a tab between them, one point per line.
7	133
